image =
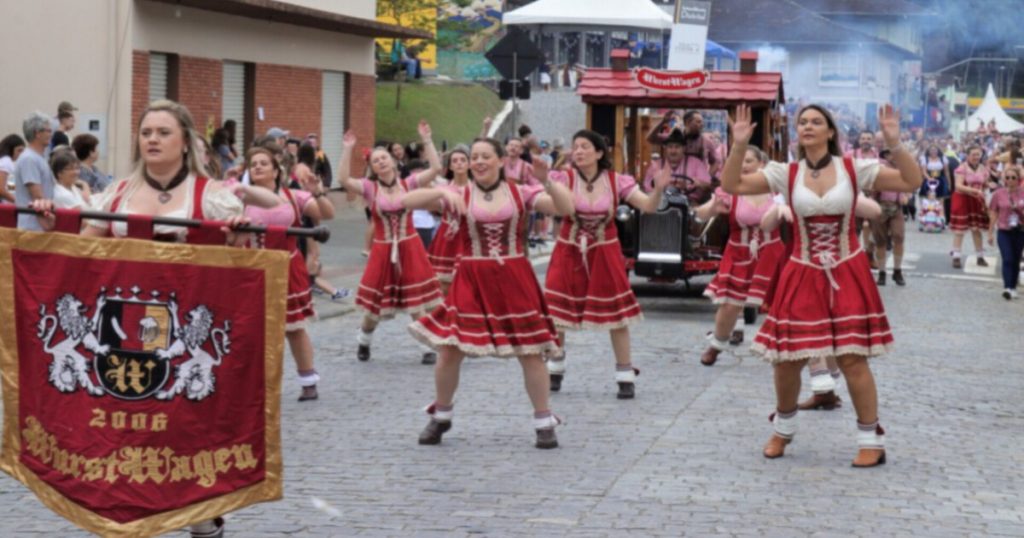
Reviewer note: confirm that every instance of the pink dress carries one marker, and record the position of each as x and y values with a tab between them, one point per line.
587	285
752	256
300	301
398	276
494	306
444	249
968	212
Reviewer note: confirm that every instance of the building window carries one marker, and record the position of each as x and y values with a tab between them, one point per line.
839	69
163	76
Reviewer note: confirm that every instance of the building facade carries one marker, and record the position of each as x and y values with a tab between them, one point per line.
306	66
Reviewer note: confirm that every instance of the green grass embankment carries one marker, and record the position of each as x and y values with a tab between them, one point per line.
454	111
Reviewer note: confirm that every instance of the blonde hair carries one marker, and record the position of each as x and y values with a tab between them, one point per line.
188	128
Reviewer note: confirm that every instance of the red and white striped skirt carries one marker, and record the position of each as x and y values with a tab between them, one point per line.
300	301
494	308
811	318
591	295
409	286
967	213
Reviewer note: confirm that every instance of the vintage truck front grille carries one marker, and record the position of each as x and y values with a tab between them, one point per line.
662	231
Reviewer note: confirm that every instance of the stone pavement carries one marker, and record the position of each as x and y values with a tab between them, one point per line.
683	459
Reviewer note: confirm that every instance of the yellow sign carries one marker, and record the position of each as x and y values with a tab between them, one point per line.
426	19
1010	105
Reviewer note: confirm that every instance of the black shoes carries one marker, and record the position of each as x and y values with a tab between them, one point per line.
429	357
881	277
363	353
431	435
897	277
308	393
546	438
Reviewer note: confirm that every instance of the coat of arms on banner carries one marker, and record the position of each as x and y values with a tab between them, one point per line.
141	380
132	342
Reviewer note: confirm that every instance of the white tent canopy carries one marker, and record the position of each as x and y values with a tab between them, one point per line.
641	15
991	110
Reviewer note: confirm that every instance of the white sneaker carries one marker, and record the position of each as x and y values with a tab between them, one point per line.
1013	294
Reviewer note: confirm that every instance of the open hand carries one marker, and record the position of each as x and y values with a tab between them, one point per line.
424	130
889	121
349	140
455	203
663	178
742	128
541	169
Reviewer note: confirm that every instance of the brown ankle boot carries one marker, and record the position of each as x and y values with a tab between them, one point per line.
710	356
869	457
827	401
775	447
431	435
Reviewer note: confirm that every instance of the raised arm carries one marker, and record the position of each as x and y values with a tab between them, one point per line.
907	176
352	186
867	208
649	202
556	198
485	128
426	177
654	136
734	181
322	208
434	199
713	207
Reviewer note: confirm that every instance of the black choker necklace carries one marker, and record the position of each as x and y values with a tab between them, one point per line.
488	190
165	195
588	180
817	167
387	186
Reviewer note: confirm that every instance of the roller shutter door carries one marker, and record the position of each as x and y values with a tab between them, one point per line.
332	117
157	76
233	99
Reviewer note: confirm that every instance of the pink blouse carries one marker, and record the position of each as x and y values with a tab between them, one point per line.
386	203
747	214
603	204
528	193
973	178
519	171
281	215
1006	205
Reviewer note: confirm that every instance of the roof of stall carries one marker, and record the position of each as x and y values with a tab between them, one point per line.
724	89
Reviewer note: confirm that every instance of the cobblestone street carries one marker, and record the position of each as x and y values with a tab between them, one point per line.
682	459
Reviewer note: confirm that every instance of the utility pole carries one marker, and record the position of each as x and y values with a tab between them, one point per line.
679	12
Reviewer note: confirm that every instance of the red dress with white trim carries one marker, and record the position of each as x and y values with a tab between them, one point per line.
968	213
445	249
494	306
586	285
826	303
300	300
751	255
398	276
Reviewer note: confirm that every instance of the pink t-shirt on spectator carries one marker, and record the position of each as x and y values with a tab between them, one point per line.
1006	205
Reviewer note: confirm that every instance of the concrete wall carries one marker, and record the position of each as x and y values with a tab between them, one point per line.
77	50
159	28
71	50
364	9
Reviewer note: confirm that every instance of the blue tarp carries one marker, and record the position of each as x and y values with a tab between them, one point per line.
714	50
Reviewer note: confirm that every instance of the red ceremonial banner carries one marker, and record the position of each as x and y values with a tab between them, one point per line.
671	81
141	380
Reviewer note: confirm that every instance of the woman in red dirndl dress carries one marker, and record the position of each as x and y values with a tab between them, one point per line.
749	264
587	286
826	303
968	212
264	171
494	306
398	277
444	250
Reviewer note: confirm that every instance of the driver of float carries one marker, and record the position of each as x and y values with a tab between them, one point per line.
688	151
